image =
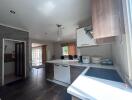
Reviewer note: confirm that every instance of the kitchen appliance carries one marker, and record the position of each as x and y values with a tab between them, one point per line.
96	60
88	31
80	59
85	59
62	73
106	61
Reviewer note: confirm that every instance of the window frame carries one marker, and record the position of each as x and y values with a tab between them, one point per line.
127	8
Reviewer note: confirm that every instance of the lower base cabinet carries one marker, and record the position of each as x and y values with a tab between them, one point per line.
49	71
75	71
66	74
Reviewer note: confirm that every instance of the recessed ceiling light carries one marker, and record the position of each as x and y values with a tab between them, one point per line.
12	12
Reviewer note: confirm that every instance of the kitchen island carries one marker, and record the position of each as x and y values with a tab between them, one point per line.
78	64
81	86
93	88
64	72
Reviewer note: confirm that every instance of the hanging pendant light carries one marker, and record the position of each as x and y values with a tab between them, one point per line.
59	32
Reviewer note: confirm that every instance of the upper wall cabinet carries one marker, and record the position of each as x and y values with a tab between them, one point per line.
84	38
107	18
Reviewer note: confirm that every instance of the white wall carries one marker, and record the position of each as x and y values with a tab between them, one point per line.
121	47
9	67
57	50
119	53
101	50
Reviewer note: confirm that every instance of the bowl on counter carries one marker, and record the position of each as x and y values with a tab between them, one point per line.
96	60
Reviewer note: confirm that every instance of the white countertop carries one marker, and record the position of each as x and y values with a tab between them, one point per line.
86	87
91	88
76	63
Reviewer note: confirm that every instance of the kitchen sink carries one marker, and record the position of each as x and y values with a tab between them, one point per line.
108	74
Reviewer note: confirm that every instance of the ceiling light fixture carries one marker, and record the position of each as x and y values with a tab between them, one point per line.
12	12
59	32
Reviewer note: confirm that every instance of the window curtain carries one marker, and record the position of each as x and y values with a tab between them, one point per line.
44	54
72	49
36	56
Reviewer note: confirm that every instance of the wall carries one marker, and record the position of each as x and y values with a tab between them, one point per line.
49	49
120	58
10	33
57	50
101	50
122	52
9	66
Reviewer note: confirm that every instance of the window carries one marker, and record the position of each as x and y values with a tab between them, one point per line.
65	50
36	56
69	49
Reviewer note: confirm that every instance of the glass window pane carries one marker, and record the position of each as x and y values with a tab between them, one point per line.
65	50
36	56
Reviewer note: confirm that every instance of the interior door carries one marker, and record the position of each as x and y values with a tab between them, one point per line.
19	59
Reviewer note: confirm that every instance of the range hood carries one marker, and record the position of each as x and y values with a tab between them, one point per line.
88	31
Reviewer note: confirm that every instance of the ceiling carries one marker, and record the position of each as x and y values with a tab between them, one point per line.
39	17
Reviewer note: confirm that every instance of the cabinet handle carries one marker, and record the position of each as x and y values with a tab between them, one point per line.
64	66
85	44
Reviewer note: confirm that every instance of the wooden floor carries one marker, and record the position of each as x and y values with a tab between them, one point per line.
10	78
34	88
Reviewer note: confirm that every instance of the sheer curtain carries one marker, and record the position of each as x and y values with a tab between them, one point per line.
36	56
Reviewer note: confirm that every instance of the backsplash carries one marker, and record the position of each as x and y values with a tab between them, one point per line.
104	51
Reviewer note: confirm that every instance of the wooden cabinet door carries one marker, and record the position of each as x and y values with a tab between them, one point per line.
75	72
107	18
49	71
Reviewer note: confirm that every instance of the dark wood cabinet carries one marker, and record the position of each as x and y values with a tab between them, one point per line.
49	71
107	18
75	71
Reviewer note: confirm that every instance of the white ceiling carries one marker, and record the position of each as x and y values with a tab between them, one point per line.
39	17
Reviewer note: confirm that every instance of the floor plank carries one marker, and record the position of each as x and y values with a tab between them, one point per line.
34	88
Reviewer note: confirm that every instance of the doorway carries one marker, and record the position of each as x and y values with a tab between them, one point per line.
14	60
39	55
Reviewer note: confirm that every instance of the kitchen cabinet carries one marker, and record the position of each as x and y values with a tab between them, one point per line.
83	39
107	18
49	71
75	71
106	40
